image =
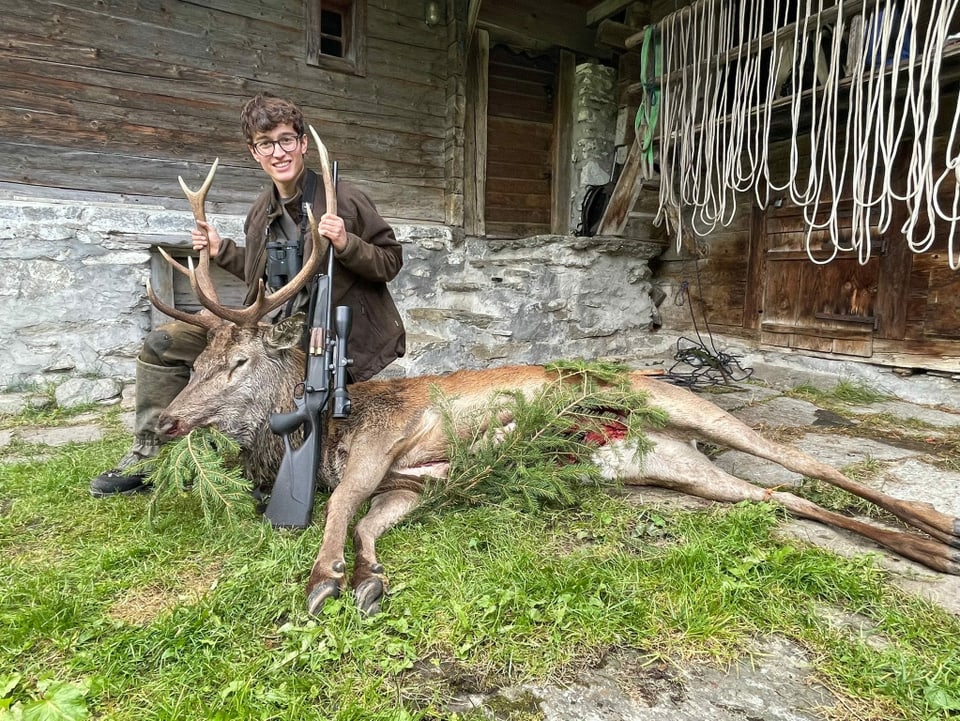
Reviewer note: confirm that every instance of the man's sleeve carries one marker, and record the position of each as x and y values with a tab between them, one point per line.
373	252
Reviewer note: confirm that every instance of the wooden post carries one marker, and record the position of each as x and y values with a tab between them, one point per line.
475	135
562	145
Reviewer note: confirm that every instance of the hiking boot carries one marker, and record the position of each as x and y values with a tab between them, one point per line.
127	478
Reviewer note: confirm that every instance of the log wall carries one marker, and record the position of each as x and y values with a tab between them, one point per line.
119	97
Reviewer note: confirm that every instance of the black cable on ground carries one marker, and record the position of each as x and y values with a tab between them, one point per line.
698	365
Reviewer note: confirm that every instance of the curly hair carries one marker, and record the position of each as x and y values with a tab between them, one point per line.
263	112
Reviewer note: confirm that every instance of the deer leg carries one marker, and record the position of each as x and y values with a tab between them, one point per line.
705	420
329	568
675	464
369	581
922	516
363	474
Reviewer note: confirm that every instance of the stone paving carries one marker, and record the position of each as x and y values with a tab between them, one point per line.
774	683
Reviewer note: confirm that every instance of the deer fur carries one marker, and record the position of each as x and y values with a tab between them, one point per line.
395	437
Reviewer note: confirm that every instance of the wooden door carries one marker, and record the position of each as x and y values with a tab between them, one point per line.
829	307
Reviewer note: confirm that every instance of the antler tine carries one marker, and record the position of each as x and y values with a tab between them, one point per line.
328	185
174	263
197	200
197	319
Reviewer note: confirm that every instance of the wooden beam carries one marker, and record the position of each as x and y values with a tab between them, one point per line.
624	195
473	12
562	145
475	135
605	9
614	34
756	270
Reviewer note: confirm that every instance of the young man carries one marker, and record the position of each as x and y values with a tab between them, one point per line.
366	256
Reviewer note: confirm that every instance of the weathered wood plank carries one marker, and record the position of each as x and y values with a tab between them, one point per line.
164	81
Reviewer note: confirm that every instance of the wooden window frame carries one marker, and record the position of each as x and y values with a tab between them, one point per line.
354	14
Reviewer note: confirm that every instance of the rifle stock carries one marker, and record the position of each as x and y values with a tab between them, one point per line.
291	500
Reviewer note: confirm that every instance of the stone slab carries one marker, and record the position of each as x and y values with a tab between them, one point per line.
780	412
916	480
756	470
902	409
739	396
840	450
61	436
773	681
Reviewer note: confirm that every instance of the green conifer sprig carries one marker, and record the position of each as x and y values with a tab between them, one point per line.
545	460
203	464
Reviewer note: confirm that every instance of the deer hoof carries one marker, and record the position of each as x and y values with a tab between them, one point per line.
320	593
368	595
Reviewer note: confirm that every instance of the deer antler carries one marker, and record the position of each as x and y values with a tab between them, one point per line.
198	201
202	284
203	320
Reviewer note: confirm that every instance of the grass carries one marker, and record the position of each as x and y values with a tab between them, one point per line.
844	392
107	613
43	411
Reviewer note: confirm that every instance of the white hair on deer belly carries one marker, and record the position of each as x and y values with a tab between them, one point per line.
668	454
619	459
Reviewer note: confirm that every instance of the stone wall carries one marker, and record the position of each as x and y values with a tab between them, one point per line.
72	299
73	303
594	131
481	302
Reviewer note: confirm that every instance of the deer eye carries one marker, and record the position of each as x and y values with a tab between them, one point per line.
238	363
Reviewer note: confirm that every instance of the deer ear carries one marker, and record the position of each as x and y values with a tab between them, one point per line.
287	333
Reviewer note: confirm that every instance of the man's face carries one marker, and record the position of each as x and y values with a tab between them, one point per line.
280	153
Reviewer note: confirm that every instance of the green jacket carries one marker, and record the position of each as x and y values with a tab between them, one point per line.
373	257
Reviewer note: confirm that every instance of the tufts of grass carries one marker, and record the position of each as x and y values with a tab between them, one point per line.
844	392
122	618
45	415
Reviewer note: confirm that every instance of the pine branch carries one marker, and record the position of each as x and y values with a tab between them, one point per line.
203	464
545	460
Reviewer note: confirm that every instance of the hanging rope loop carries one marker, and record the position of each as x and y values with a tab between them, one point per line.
866	110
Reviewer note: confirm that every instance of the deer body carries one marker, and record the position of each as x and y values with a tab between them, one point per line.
395	437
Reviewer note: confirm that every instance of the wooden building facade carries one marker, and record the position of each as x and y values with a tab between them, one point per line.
119	97
457	113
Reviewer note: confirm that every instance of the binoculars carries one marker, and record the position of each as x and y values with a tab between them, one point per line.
284	260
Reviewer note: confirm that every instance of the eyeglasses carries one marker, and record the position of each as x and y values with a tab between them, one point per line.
286	142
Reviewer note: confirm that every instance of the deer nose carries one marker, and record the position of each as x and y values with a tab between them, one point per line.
170	427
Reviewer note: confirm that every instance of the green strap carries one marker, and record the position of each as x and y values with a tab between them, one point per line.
649	111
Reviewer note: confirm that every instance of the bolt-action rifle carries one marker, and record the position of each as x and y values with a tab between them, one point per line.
291	500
